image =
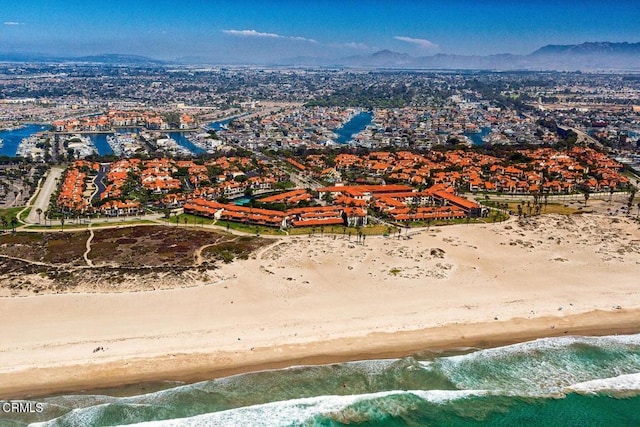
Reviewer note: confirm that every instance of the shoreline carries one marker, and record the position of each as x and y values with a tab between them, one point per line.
318	300
202	366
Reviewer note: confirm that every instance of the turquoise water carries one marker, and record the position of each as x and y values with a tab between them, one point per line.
568	381
353	127
242	201
13	138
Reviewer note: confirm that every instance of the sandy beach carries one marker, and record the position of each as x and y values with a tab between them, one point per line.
324	299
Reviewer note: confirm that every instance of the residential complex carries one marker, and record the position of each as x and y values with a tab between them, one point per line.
339	144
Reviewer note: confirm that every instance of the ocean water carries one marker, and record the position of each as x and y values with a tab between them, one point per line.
567	381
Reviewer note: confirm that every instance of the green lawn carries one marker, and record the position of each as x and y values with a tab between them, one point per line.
191	220
117	223
9	213
69	226
550	208
25	214
369	230
251	229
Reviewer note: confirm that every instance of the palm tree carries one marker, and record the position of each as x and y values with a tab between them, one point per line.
5	223
546	200
14	222
632	195
62	222
39	212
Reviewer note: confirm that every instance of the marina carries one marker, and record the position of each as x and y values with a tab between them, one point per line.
13	137
80	145
187	147
100	140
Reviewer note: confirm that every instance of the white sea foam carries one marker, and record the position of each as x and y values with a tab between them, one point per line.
621	383
374	366
542	366
444	396
298	411
542	344
77	417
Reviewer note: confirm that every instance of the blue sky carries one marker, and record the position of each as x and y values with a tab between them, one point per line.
258	31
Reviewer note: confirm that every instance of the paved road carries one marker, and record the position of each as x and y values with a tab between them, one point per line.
583	136
46	191
10	195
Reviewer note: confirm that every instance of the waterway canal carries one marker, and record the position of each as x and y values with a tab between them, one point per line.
12	138
357	124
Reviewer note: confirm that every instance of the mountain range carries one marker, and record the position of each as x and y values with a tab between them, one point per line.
592	56
600	56
109	58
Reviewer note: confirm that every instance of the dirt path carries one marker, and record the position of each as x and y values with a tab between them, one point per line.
197	254
88	246
28	261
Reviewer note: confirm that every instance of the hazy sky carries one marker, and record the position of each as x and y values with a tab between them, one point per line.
258	31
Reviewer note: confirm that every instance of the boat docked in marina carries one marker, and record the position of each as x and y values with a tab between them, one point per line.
81	145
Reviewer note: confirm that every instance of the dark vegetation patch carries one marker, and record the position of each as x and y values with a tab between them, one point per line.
150	245
132	258
54	248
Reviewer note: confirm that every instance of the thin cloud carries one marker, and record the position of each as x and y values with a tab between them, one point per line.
421	43
13	23
258	34
303	39
252	33
355	45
